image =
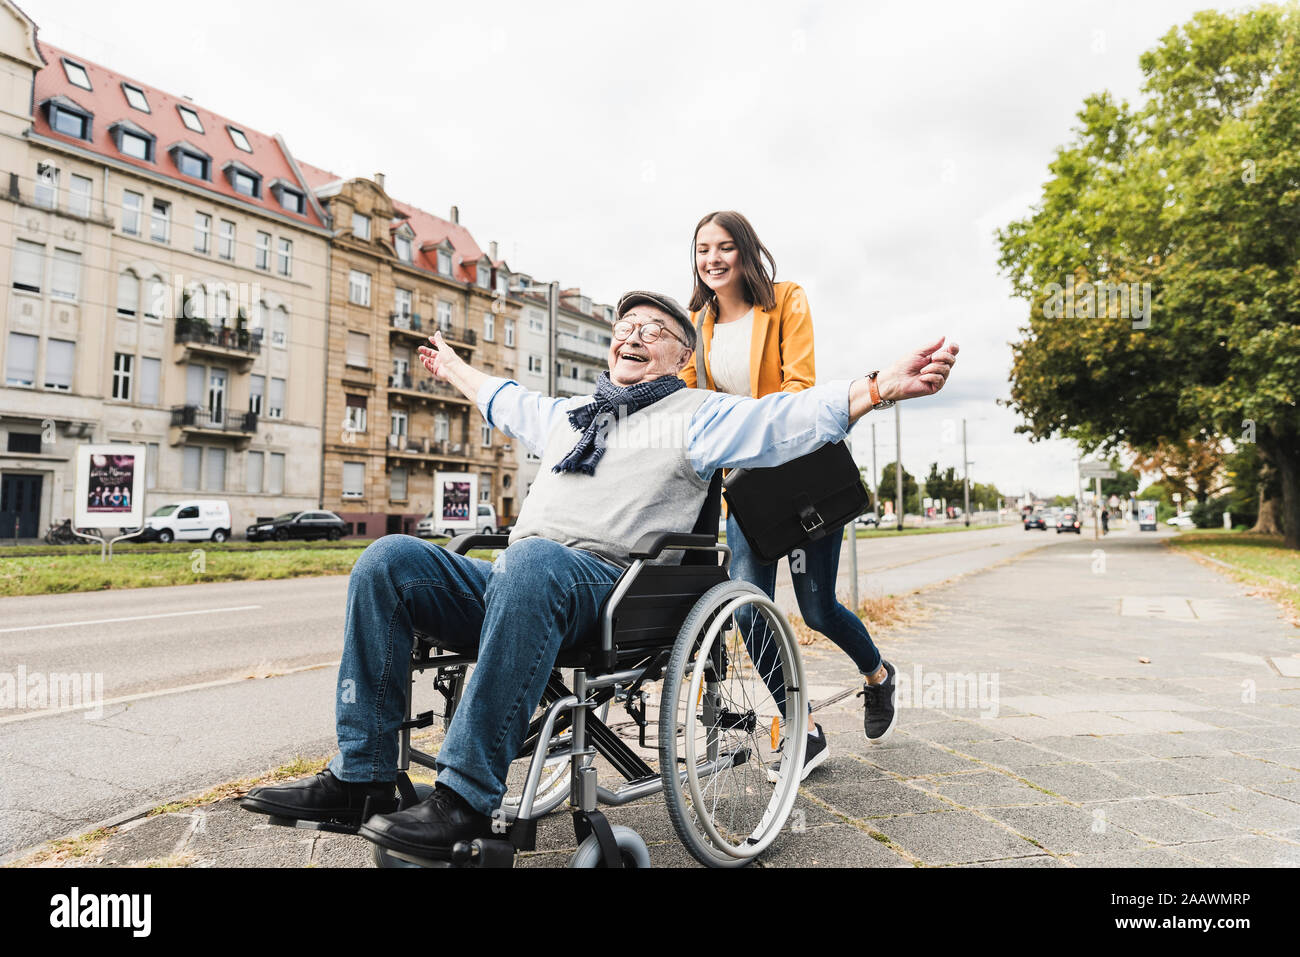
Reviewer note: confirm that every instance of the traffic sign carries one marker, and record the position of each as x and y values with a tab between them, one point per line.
1096	470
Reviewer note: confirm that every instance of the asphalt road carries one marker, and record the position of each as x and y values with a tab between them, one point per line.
205	683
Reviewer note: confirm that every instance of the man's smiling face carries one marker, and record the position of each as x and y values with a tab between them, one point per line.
633	360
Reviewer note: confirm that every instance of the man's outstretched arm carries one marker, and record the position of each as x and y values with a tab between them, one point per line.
737	432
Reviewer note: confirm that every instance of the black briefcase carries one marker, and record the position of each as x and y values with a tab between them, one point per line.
788	506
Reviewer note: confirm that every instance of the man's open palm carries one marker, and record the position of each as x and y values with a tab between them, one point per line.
919	373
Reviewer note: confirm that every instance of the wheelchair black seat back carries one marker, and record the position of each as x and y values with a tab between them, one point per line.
731	723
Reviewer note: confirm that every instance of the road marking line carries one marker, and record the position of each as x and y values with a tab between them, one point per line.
107	621
144	695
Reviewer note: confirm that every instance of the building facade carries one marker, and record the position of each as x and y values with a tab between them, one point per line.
398	274
166	271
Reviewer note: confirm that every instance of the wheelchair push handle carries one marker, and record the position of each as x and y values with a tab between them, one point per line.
651	544
463	543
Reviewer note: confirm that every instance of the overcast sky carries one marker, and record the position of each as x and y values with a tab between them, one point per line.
875	147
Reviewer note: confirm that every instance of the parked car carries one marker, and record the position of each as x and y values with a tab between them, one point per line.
1181	520
428	527
1035	520
869	519
1068	522
305	524
193	520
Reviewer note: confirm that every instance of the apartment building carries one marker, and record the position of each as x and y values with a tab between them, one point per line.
397	274
583	333
165	269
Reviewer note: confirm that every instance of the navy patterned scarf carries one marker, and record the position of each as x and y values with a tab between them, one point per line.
611	402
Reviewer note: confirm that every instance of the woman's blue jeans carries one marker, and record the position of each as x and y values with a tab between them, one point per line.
814	574
518	612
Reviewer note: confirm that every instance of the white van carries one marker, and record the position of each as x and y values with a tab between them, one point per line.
189	521
428	526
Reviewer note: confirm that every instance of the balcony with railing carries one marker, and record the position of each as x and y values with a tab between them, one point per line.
202	422
402	446
566	385
566	343
411	324
425	388
216	339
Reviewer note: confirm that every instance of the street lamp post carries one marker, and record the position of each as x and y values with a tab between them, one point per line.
965	481
898	467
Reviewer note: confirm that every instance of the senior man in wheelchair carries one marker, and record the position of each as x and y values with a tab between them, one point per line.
596	494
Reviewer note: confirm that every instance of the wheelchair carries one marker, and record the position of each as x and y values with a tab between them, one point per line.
730	751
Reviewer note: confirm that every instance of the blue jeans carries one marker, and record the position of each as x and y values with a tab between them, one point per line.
518	613
814	587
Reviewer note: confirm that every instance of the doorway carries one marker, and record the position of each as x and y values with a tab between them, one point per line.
20	500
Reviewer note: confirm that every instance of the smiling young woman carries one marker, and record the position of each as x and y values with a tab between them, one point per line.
756	338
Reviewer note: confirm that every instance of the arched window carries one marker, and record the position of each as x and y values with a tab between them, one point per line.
128	294
280	326
156	305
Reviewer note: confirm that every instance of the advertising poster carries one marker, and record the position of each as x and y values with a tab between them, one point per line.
455	499
110	486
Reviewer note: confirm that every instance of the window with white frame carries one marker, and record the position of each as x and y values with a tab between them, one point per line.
285	258
359	287
256	393
239	139
484	276
76	74
489	327
397	423
214	475
275	481
256	463
157	299
202	233
151	465
150	380
441	427
354	418
47	186
135	96
485	487
29	265
534	363
403	244
360	225
226	240
221	306
20	359
275	399
65	275
262	251
358	350
354	479
402	301
80	192
280	327
444	315
128	294
122	376
510	332
190	118
397	484
60	355
135	146
485	434
401	356
444	262
536	323
191	466
132	205
161	222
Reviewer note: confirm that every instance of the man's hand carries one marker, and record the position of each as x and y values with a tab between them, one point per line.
440	359
920	373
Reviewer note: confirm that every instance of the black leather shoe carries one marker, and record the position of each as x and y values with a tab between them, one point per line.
428	829
322	798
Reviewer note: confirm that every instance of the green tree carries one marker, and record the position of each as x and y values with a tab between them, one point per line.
911	503
1190	204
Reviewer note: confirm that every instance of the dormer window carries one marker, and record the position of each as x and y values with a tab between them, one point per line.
290	198
245	181
360	226
192	161
68	118
76	74
403	244
132	141
190	118
239	139
444	262
135	96
484	276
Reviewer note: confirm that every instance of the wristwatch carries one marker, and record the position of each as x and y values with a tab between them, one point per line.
877	403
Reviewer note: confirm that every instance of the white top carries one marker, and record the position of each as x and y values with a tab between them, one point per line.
729	354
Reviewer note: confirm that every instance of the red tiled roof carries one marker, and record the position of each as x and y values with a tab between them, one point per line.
431	230
108	103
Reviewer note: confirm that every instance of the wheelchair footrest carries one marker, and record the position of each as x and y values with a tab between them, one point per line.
481	852
333	827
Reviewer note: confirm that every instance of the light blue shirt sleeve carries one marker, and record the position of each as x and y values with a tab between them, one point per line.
732	431
521	414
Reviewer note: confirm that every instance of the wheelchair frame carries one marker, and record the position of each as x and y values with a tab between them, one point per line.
600	844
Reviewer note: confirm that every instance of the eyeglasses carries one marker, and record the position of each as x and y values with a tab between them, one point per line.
650	331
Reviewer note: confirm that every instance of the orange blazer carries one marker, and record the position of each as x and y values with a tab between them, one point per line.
781	346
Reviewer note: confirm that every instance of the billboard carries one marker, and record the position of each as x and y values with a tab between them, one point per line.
455	500
110	486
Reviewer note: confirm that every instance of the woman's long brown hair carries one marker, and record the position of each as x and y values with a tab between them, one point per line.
757	278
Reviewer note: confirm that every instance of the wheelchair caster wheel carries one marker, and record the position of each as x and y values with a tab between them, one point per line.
630	847
385	858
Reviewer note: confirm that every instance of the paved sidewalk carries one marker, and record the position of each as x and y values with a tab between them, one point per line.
1141	719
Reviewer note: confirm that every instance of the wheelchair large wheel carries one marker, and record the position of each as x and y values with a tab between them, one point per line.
728	788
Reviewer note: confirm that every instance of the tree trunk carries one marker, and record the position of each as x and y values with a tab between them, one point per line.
1266	523
1286	456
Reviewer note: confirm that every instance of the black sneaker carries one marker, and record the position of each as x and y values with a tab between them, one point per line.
322	798
429	829
815	752
879	715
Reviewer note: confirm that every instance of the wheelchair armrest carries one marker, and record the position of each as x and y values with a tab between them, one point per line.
651	544
463	543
